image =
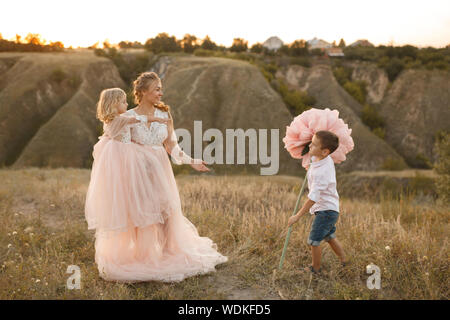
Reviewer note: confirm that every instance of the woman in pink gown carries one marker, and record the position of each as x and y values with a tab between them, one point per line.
133	201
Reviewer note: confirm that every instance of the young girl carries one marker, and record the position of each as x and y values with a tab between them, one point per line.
133	203
106	200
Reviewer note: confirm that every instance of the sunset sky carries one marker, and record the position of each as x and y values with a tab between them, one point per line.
82	22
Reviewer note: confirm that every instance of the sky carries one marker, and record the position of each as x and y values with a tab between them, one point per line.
84	22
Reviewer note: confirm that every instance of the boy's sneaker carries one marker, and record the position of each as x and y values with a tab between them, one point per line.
311	269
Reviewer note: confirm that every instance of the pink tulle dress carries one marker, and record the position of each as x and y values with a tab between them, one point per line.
133	204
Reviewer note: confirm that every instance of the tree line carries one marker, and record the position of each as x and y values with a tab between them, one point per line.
391	58
32	42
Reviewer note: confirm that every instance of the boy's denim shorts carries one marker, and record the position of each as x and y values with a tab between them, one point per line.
323	227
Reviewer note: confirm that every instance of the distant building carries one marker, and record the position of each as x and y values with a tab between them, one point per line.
273	43
361	43
318	44
334	52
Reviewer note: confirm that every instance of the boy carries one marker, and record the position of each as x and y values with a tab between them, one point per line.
323	199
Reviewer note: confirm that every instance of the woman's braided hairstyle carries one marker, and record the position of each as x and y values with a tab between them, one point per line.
144	81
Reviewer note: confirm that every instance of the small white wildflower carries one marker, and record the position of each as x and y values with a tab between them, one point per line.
387	248
9	233
9	245
409	252
46	283
31	234
16	214
425	258
26	244
427	274
37	280
14	233
52	205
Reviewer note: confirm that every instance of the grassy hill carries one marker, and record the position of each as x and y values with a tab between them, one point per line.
47	106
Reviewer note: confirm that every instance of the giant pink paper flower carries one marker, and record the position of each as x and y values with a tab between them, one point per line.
301	130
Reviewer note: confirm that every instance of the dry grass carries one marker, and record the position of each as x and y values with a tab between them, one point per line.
246	216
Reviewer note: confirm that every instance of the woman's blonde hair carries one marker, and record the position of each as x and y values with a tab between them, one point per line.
147	80
108	102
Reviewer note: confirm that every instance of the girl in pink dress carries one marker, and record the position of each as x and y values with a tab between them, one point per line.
132	199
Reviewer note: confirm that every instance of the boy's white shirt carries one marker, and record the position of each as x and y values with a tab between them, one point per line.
322	185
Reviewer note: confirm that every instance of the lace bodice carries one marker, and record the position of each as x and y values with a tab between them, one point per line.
153	135
125	135
120	128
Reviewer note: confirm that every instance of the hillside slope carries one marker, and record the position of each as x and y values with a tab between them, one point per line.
225	94
370	152
415	107
47	107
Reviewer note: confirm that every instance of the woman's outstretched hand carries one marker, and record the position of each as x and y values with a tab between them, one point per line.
200	166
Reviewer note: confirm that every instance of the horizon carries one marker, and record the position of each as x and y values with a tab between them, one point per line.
349	20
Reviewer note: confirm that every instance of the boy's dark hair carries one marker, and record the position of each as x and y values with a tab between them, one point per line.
328	140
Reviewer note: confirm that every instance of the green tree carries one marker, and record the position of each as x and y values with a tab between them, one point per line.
106	44
341	43
125	44
284	49
239	45
189	43
57	46
34	38
393	68
207	44
356	90
372	119
297	101
257	48
342	74
298	48
163	43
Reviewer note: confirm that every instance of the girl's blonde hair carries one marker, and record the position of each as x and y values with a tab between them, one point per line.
108	102
147	80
